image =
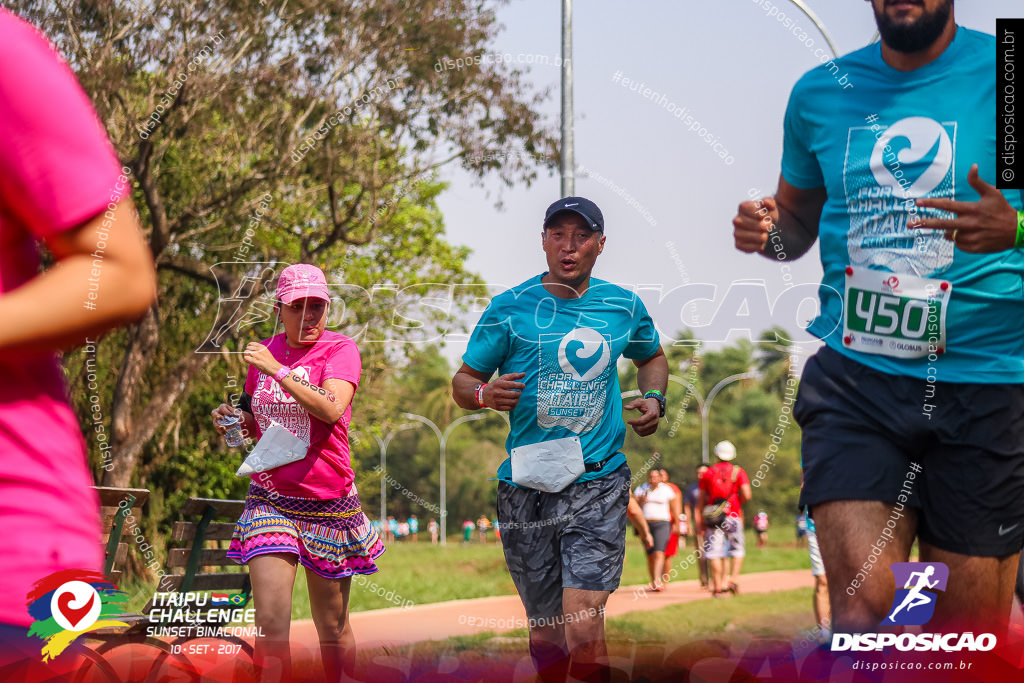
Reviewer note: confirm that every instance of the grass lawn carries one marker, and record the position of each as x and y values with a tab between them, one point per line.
420	573
423	573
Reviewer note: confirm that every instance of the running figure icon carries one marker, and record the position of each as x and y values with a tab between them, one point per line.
915	598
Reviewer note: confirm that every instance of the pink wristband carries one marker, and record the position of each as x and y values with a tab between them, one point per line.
282	373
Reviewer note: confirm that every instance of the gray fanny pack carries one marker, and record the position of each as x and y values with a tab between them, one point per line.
548	466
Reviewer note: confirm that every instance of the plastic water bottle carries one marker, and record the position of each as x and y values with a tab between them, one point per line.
233	436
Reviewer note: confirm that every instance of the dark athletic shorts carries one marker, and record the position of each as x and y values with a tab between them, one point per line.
864	429
660	532
575	538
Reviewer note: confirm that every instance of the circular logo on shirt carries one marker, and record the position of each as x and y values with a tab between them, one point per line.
584	354
913	141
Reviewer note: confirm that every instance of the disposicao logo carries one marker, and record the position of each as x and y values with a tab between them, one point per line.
914	605
71	602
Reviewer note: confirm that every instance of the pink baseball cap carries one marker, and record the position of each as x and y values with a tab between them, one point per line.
300	281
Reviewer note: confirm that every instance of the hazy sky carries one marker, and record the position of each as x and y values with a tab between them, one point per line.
667	196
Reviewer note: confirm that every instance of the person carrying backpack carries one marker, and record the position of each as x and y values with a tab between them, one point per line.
724	488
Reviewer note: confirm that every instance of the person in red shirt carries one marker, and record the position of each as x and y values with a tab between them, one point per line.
724	488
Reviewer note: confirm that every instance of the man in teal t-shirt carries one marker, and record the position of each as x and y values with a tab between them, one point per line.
554	341
912	412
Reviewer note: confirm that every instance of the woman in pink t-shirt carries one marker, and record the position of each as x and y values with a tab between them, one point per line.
306	512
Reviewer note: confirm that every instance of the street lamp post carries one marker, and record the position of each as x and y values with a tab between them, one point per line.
567	158
383	443
817	23
442	438
704	405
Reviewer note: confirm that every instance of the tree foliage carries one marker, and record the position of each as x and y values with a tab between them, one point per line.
280	131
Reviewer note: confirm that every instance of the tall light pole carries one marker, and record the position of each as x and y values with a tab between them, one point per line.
704	405
383	443
568	160
442	438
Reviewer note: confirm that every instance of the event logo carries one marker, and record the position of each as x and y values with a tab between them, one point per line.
919	145
914	603
590	354
887	168
71	602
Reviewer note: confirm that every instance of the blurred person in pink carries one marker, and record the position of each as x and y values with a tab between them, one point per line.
61	185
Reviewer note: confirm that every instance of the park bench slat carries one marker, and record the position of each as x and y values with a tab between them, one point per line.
224	508
111	496
208	557
217	531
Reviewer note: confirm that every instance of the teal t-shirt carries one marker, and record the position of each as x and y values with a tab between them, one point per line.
568	349
893	137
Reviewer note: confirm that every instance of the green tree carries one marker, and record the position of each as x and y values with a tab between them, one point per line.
281	132
773	359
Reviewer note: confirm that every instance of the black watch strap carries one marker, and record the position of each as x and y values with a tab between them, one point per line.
661	400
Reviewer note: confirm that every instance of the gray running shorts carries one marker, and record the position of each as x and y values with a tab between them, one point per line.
575	538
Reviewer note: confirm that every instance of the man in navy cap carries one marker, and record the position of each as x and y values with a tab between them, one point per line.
562	494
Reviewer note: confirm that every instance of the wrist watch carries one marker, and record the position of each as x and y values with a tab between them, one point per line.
661	400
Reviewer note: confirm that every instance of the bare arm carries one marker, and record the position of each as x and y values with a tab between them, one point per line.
676	507
78	298
651	375
327	403
636	517
745	493
501	394
698	512
782	227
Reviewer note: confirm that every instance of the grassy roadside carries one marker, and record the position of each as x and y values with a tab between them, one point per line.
421	573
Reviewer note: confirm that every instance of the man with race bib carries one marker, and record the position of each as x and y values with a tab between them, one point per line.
912	412
563	493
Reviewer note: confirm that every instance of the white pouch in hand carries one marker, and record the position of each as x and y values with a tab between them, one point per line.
276	447
548	466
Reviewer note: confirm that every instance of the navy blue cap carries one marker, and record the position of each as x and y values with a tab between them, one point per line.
580	206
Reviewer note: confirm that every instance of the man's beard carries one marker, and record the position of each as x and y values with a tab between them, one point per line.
916	36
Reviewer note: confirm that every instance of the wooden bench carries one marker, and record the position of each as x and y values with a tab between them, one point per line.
196	534
198	556
116	504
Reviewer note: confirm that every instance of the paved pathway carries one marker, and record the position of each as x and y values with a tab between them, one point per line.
402	626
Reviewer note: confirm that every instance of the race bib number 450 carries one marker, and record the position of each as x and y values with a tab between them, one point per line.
894	314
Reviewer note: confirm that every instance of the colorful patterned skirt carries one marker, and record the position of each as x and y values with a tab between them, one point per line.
333	538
